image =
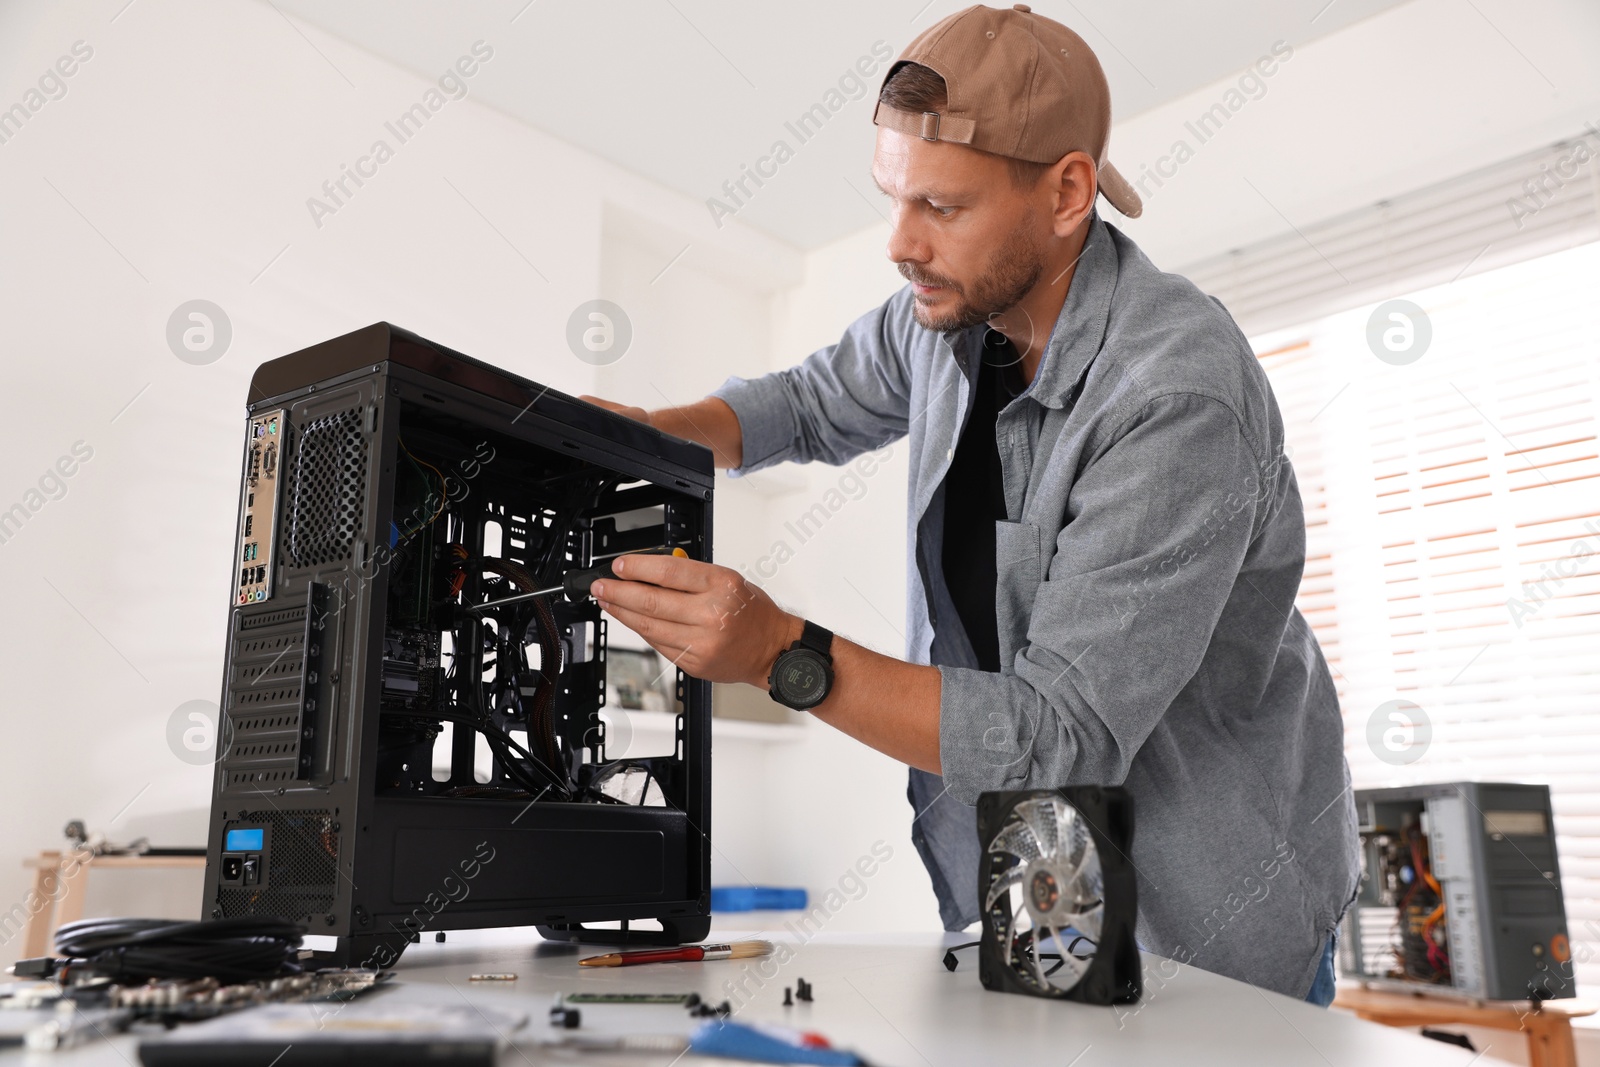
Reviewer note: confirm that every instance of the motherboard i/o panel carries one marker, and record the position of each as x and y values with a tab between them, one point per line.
258	504
1460	893
398	753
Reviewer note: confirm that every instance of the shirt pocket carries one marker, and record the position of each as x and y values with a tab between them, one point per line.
1019	568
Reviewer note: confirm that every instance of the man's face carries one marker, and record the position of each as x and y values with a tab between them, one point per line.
968	240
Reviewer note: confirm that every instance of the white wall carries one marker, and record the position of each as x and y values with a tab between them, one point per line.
176	166
1421	93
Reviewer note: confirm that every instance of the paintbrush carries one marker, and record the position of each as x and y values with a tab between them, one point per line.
736	950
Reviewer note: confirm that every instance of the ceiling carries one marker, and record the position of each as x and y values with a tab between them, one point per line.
688	92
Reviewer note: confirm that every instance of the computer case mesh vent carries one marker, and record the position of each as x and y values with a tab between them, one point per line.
264	714
302	866
329	489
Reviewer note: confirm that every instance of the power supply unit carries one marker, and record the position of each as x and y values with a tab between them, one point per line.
1460	893
407	742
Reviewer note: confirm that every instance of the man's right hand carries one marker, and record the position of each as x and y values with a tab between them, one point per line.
636	414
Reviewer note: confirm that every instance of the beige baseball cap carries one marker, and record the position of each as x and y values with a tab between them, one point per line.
1018	85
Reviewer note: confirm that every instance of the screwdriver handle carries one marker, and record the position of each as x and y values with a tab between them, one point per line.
575	584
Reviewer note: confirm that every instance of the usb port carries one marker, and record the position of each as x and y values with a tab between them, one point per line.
249	521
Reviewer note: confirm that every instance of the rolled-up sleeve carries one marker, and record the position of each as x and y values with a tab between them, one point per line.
1157	528
842	400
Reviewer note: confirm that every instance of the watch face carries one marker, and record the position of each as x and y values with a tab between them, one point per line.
801	678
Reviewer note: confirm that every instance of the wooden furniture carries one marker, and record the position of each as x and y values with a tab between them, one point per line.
1549	1029
59	882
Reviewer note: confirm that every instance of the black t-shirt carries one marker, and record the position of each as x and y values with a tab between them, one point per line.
975	499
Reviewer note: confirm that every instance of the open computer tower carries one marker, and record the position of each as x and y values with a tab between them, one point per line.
395	758
1460	893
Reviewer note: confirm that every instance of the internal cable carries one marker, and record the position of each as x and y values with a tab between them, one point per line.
419	464
498	739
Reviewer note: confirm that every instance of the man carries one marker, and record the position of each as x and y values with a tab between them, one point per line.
1106	536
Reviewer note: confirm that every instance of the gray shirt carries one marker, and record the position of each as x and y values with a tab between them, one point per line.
1146	582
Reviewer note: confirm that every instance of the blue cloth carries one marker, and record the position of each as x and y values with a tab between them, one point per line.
756	898
764	1044
1145	602
1322	986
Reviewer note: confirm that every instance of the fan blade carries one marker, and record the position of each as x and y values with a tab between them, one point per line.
1086	921
1078	861
1043	818
1018	839
1008	933
1083	850
1084	885
1003	885
1039	937
1071	972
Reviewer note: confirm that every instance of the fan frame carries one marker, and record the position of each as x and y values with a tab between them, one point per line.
1113	976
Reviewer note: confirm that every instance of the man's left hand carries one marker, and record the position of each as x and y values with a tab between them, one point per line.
706	619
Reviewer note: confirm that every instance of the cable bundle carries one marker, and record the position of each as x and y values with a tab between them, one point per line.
230	950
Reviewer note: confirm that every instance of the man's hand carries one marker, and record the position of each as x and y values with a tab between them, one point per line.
706	619
636	414
711	422
718	627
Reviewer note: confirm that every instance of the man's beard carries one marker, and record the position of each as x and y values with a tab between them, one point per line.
1013	271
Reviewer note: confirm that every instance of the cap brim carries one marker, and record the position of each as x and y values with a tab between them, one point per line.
1115	188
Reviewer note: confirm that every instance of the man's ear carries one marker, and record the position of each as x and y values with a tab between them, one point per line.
1072	181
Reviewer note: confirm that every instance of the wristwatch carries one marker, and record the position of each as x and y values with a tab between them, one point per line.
803	673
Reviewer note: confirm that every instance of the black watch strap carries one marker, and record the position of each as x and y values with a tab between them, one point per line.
816	639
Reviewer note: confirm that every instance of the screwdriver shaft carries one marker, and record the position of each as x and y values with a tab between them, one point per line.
576	583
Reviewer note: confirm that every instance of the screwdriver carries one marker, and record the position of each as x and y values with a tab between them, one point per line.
575	584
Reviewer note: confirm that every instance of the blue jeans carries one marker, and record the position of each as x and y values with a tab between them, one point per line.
1322	985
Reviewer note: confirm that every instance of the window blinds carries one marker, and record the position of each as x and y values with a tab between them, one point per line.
1453	497
1536	203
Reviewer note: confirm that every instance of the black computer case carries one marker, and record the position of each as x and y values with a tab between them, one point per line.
390	484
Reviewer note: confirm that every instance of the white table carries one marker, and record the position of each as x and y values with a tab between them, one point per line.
889	997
